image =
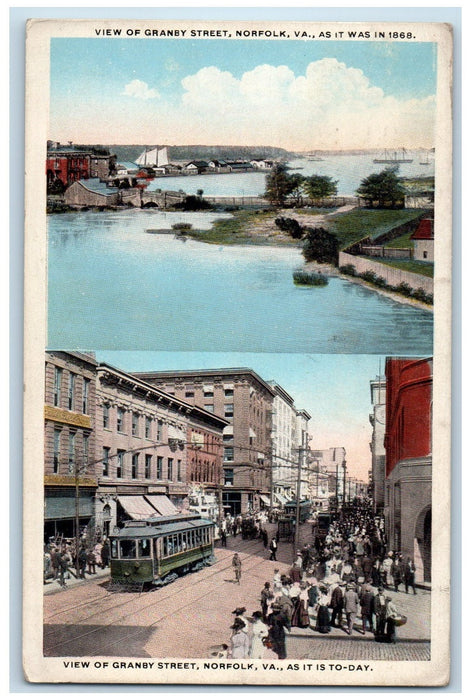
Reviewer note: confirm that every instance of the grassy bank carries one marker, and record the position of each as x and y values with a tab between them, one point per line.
420	268
245	227
356	224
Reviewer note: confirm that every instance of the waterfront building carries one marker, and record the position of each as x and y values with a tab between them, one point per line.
150	448
245	400
423	239
70	482
68	164
408	443
378	452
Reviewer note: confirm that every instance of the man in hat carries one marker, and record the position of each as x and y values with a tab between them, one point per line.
336	602
351	605
237	566
366	606
379	605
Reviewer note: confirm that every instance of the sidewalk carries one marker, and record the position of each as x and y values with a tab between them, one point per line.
53	586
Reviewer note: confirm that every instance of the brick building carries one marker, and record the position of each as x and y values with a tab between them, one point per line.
246	401
408	443
69	164
70	482
150	447
378	452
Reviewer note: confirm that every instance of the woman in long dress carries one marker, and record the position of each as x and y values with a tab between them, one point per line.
323	614
259	632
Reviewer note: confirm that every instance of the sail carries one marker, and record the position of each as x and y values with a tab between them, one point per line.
148	157
162	156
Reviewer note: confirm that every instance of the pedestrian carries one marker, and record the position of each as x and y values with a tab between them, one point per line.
337	603
91	560
323	615
380	613
259	633
366	607
265	538
234	528
396	573
239	641
239	615
54	562
63	562
237	566
266	596
105	554
82	561
409	575
387	565
391	616
300	616
273	548
223	538
97	549
277	635
351	606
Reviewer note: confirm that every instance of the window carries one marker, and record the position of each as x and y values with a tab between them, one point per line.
148	427
57	385
208	394
71	395
86	391
170	469
228	454
228	410
127	549
227	438
228	392
135	424
106	416
71	452
209	407
106	461
228	477
135	466
148	464
189	394
120	420
160	463
57	448
159	429
120	465
425	254
86	446
179	470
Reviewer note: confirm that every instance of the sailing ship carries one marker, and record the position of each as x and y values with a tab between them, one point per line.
313	156
393	157
154	157
426	160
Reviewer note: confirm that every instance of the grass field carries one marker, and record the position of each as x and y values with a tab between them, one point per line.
359	223
420	268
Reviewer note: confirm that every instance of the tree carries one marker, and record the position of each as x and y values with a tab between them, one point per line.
318	187
292	226
278	185
320	245
383	189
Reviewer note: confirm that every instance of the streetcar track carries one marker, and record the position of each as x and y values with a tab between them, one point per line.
141	608
148	626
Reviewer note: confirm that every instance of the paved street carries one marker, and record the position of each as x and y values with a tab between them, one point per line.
191	617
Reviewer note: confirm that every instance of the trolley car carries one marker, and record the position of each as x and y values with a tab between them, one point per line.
159	549
304	510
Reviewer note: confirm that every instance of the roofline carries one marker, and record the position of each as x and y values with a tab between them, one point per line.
224	372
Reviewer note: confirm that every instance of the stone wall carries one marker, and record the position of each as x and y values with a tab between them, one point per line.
393	275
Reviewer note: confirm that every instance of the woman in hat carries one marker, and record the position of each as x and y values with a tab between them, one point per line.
239	613
239	640
323	615
259	633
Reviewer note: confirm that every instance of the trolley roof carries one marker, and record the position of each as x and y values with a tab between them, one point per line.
149	528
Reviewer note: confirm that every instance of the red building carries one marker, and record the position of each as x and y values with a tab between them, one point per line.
408	444
67	165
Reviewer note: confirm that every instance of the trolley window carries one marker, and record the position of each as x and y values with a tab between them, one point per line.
127	549
114	549
144	548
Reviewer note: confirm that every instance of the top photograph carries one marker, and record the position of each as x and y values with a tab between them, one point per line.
212	189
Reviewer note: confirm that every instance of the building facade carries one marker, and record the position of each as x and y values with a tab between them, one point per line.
246	401
70	482
150	447
408	443
331	465
378	452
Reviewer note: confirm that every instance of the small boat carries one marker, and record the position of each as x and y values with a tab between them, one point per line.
314	157
426	161
393	157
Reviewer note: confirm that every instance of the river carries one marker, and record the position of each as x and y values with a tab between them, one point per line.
112	286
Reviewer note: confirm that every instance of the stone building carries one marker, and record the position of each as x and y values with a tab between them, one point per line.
245	400
423	239
408	443
70	481
378	452
150	446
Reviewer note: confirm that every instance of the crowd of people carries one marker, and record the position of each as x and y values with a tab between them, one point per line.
62	561
341	581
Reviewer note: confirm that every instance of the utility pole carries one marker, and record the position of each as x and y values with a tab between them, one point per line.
298	500
344	467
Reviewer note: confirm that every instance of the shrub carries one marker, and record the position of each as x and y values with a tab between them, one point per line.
291	226
193	203
421	295
381	282
181	226
368	276
404	289
348	270
312	279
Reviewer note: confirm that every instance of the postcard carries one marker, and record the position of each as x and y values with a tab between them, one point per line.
238	342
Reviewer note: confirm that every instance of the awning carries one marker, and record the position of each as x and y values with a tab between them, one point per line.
265	499
137	507
280	499
162	504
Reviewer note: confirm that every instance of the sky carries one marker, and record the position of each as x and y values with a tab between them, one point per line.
334	389
297	94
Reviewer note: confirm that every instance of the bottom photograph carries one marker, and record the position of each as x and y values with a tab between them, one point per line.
237	506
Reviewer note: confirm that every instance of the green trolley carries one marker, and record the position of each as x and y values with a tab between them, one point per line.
158	550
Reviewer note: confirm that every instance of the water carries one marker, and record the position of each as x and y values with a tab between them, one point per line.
348	170
112	286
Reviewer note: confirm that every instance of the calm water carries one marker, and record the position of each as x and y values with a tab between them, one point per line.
348	170
114	286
